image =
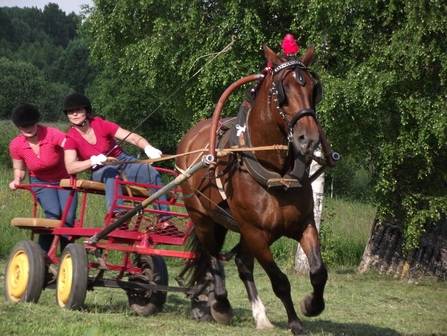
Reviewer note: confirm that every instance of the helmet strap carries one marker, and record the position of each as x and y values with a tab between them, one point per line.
82	124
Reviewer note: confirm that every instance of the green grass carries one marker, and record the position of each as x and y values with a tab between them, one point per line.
345	230
356	304
363	305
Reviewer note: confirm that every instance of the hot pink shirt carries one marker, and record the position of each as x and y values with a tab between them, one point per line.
105	140
49	164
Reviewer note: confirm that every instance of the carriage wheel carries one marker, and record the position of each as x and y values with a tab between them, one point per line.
72	277
25	272
154	270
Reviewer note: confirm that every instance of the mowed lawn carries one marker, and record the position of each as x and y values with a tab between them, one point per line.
365	305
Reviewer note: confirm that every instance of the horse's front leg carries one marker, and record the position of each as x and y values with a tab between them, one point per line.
313	304
245	263
257	242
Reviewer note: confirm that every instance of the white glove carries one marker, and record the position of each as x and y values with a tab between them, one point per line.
97	160
152	152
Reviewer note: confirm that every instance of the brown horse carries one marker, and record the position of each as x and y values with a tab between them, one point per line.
264	195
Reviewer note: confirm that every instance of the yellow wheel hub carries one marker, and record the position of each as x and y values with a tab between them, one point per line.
65	280
17	276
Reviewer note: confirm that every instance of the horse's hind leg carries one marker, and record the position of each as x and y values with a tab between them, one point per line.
219	304
245	263
212	237
313	304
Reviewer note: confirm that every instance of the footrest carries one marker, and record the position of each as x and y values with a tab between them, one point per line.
32	222
283	182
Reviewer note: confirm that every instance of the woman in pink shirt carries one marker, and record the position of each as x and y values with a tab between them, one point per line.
91	140
38	150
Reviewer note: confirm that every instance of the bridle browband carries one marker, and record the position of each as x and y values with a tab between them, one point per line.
274	93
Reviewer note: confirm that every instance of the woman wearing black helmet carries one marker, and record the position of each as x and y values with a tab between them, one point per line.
38	150
91	140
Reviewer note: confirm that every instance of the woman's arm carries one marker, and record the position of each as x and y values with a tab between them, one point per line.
19	171
138	141
72	164
132	138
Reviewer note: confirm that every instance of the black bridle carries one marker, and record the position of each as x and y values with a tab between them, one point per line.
278	94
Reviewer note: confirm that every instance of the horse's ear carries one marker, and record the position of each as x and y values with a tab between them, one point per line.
270	55
308	56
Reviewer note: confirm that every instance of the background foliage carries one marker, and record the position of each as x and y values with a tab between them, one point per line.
41	59
382	63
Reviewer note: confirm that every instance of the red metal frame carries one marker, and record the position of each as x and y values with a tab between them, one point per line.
142	236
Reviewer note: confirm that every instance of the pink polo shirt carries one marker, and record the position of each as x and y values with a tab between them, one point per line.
49	164
105	140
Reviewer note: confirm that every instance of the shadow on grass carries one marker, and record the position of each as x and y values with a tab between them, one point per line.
179	305
336	328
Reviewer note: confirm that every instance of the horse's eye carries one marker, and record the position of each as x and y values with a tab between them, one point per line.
299	77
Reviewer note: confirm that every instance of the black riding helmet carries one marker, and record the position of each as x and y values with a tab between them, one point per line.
25	115
75	101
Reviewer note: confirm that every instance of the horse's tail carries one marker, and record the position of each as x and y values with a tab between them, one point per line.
196	268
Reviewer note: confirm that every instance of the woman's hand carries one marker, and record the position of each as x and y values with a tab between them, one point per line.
97	160
152	152
13	184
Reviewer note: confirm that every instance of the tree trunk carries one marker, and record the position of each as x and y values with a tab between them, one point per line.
384	252
301	264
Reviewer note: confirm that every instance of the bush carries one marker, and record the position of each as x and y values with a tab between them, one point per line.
8	131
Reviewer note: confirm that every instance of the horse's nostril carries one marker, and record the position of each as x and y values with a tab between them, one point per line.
303	140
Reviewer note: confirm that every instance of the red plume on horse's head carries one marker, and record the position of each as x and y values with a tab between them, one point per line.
289	45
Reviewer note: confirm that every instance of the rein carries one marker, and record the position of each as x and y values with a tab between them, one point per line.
219	153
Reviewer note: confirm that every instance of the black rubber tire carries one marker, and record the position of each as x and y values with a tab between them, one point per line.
146	303
72	277
25	273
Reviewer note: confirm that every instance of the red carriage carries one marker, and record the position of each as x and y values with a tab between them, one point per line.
139	268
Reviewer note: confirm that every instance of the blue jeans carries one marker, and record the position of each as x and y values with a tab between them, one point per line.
134	172
53	203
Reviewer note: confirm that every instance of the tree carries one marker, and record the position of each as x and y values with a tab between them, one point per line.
59	26
22	82
73	67
383	66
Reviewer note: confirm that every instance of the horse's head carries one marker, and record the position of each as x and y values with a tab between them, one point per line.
292	98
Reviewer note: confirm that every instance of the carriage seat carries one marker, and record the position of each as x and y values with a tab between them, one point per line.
31	222
99	187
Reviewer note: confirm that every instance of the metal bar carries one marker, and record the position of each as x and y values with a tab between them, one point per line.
110	283
147	250
174	183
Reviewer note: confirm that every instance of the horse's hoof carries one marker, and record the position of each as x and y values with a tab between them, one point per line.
264	324
297	328
200	311
311	306
221	311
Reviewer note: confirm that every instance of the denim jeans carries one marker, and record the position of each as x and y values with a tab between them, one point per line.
53	202
134	172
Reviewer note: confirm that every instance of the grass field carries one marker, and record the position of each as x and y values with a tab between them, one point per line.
368	304
363	305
